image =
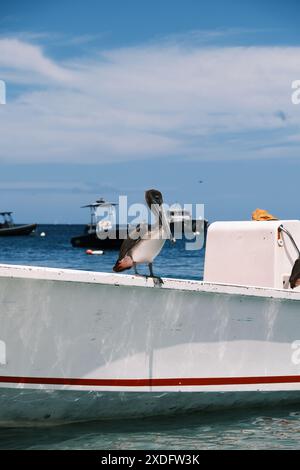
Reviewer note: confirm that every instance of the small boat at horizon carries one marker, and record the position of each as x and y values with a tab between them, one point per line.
8	228
99	223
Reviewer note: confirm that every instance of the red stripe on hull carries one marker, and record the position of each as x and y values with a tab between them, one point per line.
172	382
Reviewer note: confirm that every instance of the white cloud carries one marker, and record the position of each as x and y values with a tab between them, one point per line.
20	56
150	101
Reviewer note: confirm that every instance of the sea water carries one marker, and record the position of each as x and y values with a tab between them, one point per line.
272	428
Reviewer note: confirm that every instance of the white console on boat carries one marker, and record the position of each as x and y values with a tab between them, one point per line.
251	253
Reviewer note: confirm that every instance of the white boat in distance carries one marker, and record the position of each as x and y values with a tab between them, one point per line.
80	345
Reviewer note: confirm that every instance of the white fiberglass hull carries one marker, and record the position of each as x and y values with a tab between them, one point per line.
79	345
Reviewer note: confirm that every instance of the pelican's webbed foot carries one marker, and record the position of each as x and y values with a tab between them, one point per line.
157	280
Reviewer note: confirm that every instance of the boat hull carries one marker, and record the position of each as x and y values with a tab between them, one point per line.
90	240
80	345
17	230
40	407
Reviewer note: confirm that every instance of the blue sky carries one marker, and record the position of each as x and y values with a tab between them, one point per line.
108	98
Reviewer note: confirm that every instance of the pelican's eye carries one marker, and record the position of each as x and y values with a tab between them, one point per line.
157	198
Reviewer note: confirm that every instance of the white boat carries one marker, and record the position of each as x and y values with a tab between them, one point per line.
179	215
83	346
181	221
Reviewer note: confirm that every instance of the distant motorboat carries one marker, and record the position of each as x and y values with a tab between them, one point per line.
8	228
181	221
98	233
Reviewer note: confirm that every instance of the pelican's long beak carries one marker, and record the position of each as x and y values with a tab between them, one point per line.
154	200
165	223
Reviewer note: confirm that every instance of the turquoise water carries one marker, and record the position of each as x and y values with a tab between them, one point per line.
273	428
252	429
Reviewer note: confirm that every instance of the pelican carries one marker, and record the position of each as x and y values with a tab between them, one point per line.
144	243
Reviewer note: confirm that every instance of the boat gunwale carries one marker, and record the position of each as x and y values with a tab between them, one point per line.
130	280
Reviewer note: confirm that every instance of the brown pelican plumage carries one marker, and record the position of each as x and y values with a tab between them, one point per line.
295	276
144	244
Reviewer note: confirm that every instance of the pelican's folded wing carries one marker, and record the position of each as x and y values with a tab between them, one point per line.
134	237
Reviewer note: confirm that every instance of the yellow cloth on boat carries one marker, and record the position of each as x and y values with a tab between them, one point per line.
261	214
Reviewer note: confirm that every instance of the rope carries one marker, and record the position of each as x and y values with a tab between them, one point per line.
282	229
